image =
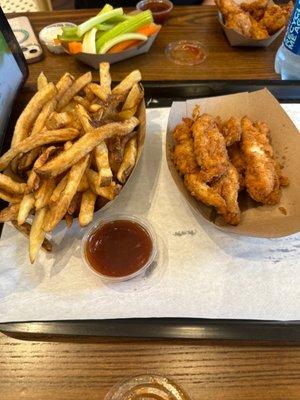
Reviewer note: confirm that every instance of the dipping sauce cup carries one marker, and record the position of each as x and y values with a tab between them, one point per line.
160	9
119	248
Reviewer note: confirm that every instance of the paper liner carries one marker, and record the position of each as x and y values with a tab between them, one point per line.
236	39
257	220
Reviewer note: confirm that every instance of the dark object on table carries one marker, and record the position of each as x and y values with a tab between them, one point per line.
126	3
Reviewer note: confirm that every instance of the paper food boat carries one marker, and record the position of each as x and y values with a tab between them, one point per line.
237	39
93	60
256	220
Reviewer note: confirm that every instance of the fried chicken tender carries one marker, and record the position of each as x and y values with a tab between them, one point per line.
227	7
237	159
184	157
258	31
228	188
240	22
232	131
256	8
204	193
261	177
209	148
276	17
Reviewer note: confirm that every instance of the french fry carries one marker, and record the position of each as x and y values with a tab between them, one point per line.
30	113
33	179
42	81
46	111
63	85
9	213
37	234
127	83
132	102
27	160
9	185
84	184
25	230
98	91
75	203
84	145
58	120
108	192
129	160
102	162
93	108
84	118
104	75
59	209
87	207
10	197
82	101
89	95
78	84
69	220
32	142
58	190
116	147
26	205
43	195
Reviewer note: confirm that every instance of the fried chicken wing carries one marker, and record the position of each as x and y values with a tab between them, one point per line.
276	17
228	188
255	8
258	31
209	148
184	157
232	131
204	193
261	179
227	7
240	22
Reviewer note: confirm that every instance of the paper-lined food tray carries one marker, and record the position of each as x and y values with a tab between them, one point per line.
256	220
202	272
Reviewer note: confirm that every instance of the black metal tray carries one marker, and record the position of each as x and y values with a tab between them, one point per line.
162	94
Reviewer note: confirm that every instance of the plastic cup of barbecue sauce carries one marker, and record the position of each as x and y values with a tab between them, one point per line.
119	247
160	9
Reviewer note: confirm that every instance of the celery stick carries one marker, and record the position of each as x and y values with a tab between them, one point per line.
73	38
90	23
130	25
105	9
69	30
120	18
104	27
121	38
89	42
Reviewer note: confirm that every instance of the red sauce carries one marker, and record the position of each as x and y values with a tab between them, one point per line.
159	9
119	248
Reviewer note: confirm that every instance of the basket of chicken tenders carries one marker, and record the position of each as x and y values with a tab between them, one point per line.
234	158
253	23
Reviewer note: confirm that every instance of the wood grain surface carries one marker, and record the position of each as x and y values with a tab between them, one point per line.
80	369
194	22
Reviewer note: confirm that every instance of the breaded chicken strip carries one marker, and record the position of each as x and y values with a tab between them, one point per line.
261	179
276	17
232	131
209	148
184	157
255	8
228	188
238	160
240	22
227	7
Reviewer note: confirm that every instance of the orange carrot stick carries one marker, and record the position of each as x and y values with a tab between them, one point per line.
75	47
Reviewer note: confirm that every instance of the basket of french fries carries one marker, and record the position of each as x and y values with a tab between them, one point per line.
74	147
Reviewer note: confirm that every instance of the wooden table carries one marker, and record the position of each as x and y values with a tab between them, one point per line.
79	369
223	62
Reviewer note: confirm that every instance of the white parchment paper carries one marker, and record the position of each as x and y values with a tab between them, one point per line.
200	272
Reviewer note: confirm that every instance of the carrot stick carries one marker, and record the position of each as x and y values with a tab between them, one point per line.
75	47
149	30
124	46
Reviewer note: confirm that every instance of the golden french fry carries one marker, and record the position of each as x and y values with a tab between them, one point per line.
134	97
46	111
98	91
89	95
63	85
95	108
32	142
84	145
9	185
28	159
102	162
37	234
83	102
105	78
58	120
87	207
116	147
108	192
58	190
26	205
43	195
129	160
33	179
25	229
9	213
67	145
10	197
84	118
58	210
69	220
127	83
30	113
75	203
41	81
79	84
84	184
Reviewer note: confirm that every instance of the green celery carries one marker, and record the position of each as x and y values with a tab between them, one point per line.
106	9
121	38
73	38
128	26
89	42
98	19
69	30
104	27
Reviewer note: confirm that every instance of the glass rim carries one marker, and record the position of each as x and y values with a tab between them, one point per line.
144	223
144	2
